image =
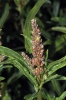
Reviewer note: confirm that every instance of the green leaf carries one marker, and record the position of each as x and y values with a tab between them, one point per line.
60	77
57	44
49	78
64	86
17	2
60	29
56	5
55	65
62	96
53	79
44	96
47	96
27	26
5	15
60	20
1	78
19	62
31	96
56	86
5	66
25	72
14	77
14	55
6	96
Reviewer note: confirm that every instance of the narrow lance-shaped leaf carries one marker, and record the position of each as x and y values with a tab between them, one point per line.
17	2
6	66
60	20
1	78
31	96
56	86
18	62
56	5
25	72
13	55
62	96
5	15
56	67
49	78
60	77
6	96
57	45
56	63
14	77
27	26
60	29
46	95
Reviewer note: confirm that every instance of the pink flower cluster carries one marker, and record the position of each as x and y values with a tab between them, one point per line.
37	61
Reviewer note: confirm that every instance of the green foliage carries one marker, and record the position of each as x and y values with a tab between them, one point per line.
6	97
60	29
31	96
14	69
14	77
18	61
27	31
60	20
58	44
1	78
5	15
56	6
62	96
17	2
52	67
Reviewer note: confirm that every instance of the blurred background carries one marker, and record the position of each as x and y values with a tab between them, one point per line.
13	14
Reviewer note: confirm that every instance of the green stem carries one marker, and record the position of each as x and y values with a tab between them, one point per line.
39	96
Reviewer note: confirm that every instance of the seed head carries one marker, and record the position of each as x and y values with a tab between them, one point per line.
37	46
37	61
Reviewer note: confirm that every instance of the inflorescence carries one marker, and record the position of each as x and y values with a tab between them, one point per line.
37	61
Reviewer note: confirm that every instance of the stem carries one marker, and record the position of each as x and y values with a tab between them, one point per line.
39	96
